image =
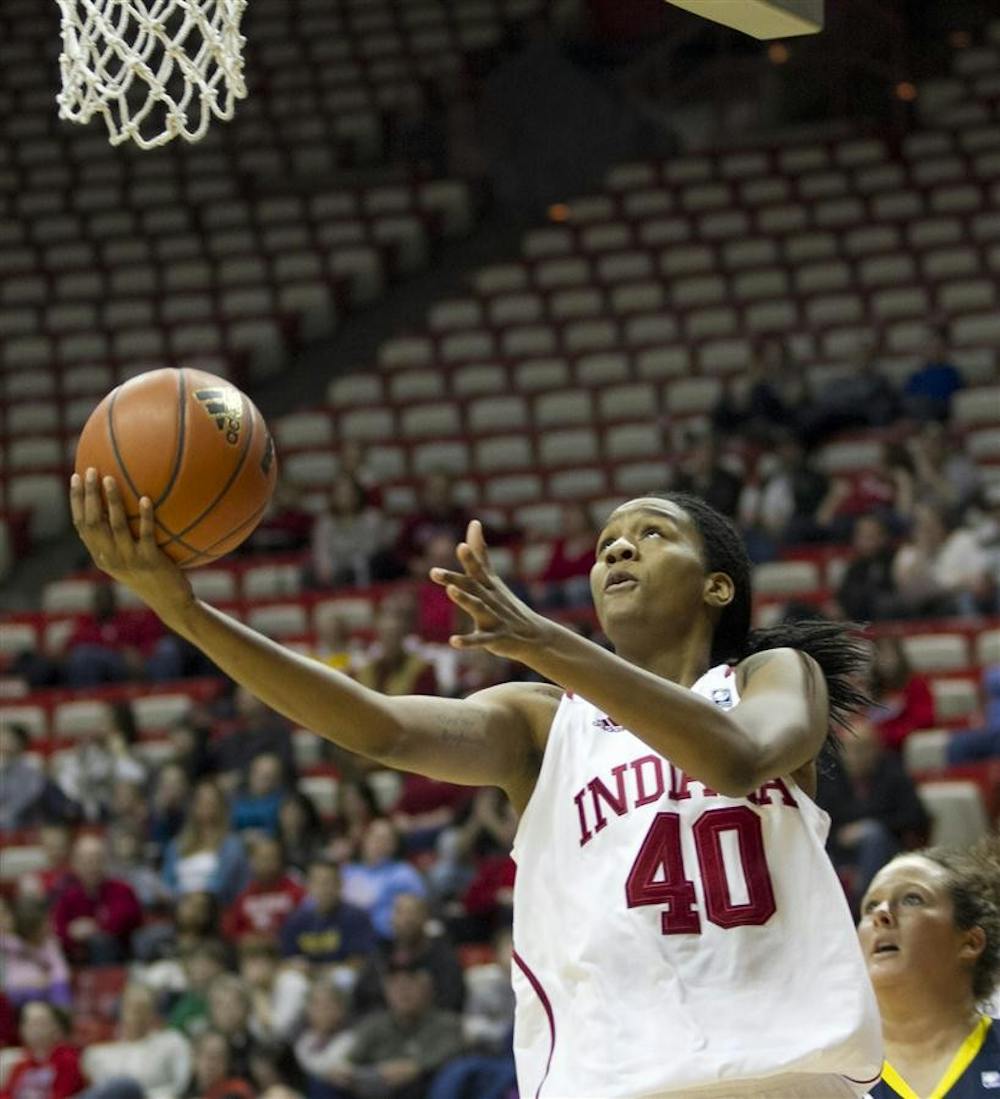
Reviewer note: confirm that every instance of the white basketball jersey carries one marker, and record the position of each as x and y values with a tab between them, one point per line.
668	938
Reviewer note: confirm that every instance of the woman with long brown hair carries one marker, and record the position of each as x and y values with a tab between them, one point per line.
206	856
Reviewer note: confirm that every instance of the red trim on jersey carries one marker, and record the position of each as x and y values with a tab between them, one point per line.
536	984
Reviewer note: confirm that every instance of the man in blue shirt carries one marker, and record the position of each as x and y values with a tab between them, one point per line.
323	929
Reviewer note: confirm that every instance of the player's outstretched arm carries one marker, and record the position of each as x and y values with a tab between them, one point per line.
485	740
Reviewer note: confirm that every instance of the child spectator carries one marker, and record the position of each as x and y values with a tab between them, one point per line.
50	1067
272	895
257	807
202	963
904	700
324	929
229	1013
32	961
194	920
206	856
95	915
374	882
129	865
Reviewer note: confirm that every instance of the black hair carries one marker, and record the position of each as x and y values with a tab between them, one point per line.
123	717
974	887
837	647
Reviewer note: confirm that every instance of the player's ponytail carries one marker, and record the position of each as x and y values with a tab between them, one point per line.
837	647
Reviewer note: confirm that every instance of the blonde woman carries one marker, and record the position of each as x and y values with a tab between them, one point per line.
206	856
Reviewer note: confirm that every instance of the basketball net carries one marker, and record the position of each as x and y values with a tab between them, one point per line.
155	69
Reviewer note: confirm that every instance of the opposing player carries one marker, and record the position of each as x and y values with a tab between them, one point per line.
930	932
679	929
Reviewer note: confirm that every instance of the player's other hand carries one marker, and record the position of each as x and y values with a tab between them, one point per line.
503	624
138	563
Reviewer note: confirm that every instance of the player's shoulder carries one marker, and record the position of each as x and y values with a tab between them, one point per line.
533	704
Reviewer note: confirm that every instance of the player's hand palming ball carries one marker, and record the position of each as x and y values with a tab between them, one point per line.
196	446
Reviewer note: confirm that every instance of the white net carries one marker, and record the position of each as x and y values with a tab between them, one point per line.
154	69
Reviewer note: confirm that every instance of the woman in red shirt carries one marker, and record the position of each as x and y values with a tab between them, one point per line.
50	1067
904	701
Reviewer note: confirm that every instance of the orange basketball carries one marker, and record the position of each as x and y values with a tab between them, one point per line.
196	446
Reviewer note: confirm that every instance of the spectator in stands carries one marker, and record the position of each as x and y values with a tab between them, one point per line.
392	668
904	700
941	569
95	915
324	1046
300	830
396	1051
425	808
257	807
436	615
474	865
130	863
33	964
867	580
928	391
439	514
202	963
257	730
930	935
771	398
794	502
156	1058
206	856
190	746
56	839
171	797
325	929
411	944
874	808
942	469
214	1077
346	538
487	1068
863	398
278	993
286	525
702	473
565	581
29	797
354	809
194	920
109	644
101	757
229	1009
374	882
50	1067
271	896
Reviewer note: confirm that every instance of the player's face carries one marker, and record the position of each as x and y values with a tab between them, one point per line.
907	929
648	563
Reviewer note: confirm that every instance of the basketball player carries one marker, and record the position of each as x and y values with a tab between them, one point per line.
678	928
930	932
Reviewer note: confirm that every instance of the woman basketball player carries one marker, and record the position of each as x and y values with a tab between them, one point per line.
678	928
930	933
